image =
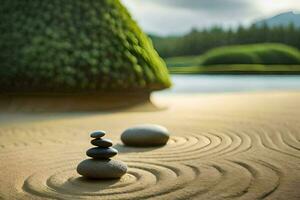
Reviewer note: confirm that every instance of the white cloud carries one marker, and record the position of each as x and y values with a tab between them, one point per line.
178	16
271	7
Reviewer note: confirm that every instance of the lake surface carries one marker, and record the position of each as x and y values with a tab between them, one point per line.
231	83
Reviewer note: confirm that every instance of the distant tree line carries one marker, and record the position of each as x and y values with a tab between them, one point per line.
199	41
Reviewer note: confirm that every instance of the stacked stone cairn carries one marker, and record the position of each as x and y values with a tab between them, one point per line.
101	166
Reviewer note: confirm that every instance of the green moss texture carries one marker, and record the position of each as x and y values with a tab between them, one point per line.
75	46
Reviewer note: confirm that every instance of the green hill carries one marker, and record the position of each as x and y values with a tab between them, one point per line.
241	59
266	54
75	46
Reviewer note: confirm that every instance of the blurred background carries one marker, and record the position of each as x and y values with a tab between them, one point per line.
199	38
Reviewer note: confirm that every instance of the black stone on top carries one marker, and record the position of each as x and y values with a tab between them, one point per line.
98	134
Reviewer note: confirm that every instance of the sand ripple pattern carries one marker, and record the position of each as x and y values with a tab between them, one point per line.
195	146
226	158
251	179
209	165
143	180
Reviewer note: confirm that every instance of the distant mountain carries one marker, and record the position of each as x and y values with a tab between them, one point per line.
283	19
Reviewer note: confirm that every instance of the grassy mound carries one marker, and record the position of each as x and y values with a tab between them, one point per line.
266	54
75	46
238	69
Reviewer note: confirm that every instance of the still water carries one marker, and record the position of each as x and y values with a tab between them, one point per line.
231	83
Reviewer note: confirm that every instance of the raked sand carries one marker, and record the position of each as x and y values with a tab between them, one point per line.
222	146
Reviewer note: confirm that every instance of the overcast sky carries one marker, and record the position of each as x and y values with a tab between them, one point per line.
179	16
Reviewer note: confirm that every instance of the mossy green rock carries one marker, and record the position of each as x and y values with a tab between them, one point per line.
75	46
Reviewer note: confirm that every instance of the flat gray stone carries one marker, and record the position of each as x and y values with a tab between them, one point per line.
100	153
102	142
145	136
98	134
102	169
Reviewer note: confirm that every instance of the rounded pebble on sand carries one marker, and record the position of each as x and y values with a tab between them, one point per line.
145	135
102	169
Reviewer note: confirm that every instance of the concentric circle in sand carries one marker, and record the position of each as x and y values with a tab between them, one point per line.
144	179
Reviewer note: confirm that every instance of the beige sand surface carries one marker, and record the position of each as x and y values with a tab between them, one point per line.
223	146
